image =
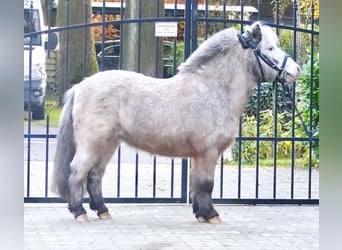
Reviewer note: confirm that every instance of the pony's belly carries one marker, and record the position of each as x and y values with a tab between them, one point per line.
172	147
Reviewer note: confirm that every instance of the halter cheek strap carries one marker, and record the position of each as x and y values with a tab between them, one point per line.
272	64
247	42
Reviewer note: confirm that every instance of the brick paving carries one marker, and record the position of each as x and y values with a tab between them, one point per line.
173	226
169	226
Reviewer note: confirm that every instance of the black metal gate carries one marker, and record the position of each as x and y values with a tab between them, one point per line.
139	177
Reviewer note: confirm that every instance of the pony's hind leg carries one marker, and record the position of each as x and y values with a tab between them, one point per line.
201	187
94	185
79	168
88	166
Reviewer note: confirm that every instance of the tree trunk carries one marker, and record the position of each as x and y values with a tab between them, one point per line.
49	12
142	51
76	56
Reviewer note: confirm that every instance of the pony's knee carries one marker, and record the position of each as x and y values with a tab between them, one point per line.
76	180
201	185
79	169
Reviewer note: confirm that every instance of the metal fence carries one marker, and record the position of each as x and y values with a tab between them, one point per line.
133	176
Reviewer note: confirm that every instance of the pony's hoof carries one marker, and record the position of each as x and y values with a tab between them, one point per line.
82	218
215	220
201	219
105	216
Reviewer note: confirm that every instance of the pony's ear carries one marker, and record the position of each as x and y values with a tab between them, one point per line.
256	32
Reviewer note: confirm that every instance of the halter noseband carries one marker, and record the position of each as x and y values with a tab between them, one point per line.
247	42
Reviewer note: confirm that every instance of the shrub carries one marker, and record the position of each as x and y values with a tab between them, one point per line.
308	100
303	42
266	98
266	147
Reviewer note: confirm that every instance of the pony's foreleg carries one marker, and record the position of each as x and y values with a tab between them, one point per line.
201	187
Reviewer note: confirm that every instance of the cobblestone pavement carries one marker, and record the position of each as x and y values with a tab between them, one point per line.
153	227
173	226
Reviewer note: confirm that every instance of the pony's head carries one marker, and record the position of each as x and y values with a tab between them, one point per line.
273	62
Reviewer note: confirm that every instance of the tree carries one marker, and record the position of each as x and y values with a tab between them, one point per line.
282	6
76	56
148	59
306	10
47	7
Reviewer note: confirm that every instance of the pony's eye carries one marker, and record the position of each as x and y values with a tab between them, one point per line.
270	48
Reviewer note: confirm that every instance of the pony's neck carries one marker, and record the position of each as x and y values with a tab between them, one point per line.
235	76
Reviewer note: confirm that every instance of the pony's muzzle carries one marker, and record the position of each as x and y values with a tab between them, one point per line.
292	72
293	76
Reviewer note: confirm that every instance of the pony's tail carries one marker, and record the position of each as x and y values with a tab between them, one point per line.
65	149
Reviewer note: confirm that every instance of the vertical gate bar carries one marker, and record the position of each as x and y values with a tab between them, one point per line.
121	32
48	115
187	29
239	158
119	172
66	45
277	15
29	111
184	180
28	161
206	19
194	25
293	151
136	173
175	11
275	116
311	96
259	9
85	40
158	40
275	141
174	62
172	177
242	2
242	5
47	155
221	177
103	18
49	23
257	153
257	173
295	13
224	14
154	175
139	37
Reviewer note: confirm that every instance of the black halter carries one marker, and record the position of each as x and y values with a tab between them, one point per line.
247	42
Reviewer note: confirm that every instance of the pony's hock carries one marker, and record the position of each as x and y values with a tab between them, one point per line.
193	114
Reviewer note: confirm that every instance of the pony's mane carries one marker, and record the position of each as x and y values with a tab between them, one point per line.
218	43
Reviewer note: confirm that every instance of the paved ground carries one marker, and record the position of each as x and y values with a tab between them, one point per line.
170	226
153	227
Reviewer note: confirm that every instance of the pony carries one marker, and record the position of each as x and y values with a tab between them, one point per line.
194	114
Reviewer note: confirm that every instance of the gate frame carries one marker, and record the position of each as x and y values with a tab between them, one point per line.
191	20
